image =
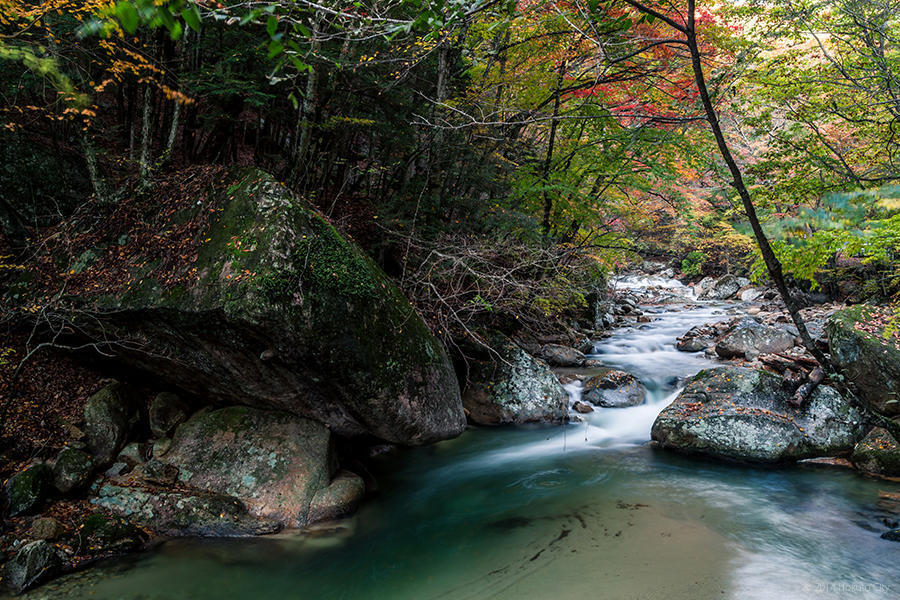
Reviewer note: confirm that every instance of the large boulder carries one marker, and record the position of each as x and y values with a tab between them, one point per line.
724	288
745	415
871	361
27	489
112	417
72	469
877	453
750	338
179	512
510	387
614	389
558	355
265	303
105	534
272	461
32	564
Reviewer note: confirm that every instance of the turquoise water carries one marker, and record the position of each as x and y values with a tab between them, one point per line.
584	511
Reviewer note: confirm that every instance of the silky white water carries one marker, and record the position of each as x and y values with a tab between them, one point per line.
588	510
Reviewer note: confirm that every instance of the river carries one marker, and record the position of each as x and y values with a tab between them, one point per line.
589	510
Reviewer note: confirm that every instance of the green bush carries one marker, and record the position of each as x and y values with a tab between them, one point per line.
693	263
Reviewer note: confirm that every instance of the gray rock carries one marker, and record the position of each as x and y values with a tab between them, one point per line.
274	462
512	388
160	447
751	294
33	564
749	339
72	469
614	389
298	319
745	415
111	417
697	339
27	489
724	288
562	356
157	472
182	513
167	411
866	358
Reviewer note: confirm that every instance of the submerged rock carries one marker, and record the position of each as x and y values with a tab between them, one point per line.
614	389
33	564
511	387
866	357
877	453
562	356
111	417
182	512
72	469
749	339
275	309
272	461
27	489
745	415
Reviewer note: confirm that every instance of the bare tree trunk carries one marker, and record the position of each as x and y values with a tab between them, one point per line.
90	157
145	137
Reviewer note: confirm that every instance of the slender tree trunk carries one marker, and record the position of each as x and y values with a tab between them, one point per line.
90	157
145	137
548	159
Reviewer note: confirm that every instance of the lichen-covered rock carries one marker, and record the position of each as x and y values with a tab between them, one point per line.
133	454
340	499
32	564
167	411
878	453
749	339
104	534
273	461
181	512
868	359
27	489
72	469
745	415
511	387
614	389
697	339
272	307
562	356
111	417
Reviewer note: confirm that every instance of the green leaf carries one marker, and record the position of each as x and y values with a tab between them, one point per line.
272	25
191	16
127	15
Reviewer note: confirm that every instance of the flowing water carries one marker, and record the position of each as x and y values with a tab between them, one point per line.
589	510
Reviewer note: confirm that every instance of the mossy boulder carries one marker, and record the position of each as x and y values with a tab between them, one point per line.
31	565
72	469
877	453
181	512
507	386
100	533
112	417
272	307
866	357
273	461
27	489
745	415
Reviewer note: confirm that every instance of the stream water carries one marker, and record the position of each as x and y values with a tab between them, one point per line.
589	510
